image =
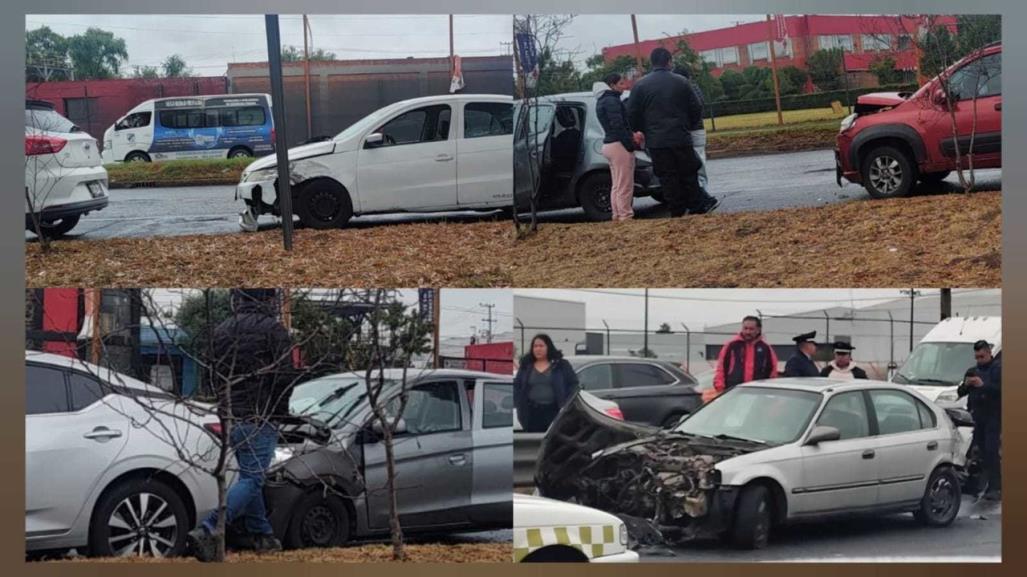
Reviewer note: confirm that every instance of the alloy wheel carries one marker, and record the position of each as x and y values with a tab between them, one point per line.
942	497
142	524
886	174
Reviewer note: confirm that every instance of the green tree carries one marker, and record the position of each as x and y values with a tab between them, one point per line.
598	69
825	68
733	83
883	67
938	50
295	54
795	77
46	55
96	54
174	67
145	72
685	56
975	31
556	76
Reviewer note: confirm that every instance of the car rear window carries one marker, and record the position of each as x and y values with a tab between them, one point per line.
48	120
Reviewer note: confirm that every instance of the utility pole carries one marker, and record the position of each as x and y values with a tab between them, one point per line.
452	52
773	69
638	49
913	293
94	301
489	321
435	313
306	74
274	62
946	303
645	334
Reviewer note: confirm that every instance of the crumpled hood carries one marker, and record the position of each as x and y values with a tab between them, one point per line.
295	153
876	101
598	88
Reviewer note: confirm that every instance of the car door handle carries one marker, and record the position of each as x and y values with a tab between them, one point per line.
102	433
443	158
998	106
457	460
932	445
868	454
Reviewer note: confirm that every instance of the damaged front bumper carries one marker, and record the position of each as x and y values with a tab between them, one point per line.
665	485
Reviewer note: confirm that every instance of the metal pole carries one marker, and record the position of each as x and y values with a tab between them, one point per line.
688	349
607	351
891	348
845	78
638	49
451	51
773	70
827	337
274	57
435	312
306	75
645	336
946	303
520	325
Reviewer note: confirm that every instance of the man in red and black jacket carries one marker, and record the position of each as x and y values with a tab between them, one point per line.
746	357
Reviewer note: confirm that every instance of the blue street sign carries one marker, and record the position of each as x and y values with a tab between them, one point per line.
526	52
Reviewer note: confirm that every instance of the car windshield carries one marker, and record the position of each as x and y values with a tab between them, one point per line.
761	414
333	400
937	364
48	120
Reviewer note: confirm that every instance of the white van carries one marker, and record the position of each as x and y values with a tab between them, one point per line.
430	154
937	364
221	126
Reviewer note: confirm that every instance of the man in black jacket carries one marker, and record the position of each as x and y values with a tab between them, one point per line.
662	106
983	386
253	380
801	363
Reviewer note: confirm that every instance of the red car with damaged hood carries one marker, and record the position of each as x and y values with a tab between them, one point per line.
894	139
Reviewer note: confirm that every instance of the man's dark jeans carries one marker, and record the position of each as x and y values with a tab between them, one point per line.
988	435
678	171
254	446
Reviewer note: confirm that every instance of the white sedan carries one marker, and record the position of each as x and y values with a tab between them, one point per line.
547	531
431	154
102	467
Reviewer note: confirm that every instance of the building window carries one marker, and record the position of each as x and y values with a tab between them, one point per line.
843	41
720	56
905	42
758	51
783	48
876	42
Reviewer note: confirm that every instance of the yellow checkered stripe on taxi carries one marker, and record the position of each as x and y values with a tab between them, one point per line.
592	540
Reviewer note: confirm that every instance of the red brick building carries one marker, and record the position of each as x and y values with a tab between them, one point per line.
95	105
862	37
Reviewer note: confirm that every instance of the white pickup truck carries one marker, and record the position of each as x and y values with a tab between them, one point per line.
431	154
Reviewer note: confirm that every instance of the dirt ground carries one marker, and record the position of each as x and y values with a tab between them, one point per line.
410	255
377	553
951	240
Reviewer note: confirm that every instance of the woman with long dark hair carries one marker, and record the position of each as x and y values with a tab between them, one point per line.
544	383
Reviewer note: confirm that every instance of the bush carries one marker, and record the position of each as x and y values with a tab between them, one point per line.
799	101
825	68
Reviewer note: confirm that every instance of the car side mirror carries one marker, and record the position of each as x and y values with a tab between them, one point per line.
399	429
374	139
823	433
960	417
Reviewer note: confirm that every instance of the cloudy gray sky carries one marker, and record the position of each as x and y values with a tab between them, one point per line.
625	308
208	42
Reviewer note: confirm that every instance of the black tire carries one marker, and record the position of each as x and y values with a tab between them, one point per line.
323	204
240	152
751	527
942	496
318	521
137	156
594	196
164	506
934	177
888	172
54	229
559	554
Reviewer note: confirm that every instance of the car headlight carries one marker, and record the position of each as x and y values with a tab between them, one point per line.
848	121
282	454
948	397
623	534
261	174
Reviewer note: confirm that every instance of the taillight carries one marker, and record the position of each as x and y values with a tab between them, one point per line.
214	428
273	133
615	413
43	145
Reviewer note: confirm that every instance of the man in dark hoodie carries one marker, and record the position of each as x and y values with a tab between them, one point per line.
253	379
662	106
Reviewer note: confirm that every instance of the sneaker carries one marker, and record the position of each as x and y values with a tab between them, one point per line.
201	544
266	544
993	495
709	206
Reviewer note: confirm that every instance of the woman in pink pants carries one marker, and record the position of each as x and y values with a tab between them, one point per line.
619	143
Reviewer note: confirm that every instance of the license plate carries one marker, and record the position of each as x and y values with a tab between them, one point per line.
95	189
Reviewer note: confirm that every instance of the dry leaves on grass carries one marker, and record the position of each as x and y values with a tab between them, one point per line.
375	553
772	141
950	240
422	254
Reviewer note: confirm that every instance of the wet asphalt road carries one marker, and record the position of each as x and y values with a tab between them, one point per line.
976	535
752	183
773	181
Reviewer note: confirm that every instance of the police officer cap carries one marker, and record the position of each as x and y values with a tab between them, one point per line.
805	338
843	347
